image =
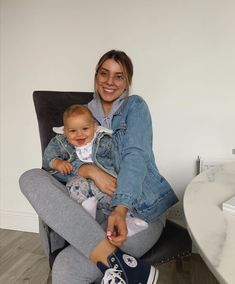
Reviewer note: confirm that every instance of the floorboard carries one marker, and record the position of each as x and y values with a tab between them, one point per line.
22	261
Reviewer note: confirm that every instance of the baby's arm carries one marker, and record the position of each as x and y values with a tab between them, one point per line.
62	166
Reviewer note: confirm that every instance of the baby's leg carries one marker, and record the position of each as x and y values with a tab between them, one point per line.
78	188
103	199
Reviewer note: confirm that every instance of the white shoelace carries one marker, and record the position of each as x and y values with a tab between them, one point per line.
110	275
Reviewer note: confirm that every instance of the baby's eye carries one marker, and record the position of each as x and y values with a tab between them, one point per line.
72	130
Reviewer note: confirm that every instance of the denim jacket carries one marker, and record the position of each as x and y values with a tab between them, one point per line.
103	154
140	186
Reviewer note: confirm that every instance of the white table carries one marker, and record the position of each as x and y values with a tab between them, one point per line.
211	228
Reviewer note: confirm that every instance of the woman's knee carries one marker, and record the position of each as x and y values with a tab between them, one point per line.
27	179
36	179
138	244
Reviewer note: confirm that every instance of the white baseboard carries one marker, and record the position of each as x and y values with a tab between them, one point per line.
19	221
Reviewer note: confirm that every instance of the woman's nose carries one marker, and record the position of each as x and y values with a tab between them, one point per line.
110	80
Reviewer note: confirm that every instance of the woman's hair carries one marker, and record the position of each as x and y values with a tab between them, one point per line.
122	59
75	110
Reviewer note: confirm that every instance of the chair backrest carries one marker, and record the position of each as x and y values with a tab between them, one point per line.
50	105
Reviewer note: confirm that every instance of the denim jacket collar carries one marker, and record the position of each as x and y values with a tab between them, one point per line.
96	108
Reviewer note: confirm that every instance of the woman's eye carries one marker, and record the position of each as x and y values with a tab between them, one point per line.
119	77
103	73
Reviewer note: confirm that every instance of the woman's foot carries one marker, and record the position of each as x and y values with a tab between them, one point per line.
126	269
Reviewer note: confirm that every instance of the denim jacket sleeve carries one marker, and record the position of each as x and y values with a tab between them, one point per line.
59	148
52	151
136	153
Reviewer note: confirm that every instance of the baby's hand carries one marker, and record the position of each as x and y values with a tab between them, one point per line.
64	167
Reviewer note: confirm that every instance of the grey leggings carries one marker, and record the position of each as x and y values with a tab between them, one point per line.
68	218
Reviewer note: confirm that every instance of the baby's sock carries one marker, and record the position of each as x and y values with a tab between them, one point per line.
90	204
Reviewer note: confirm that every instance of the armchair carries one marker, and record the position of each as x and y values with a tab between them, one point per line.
174	242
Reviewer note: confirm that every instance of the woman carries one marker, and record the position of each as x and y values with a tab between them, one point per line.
101	247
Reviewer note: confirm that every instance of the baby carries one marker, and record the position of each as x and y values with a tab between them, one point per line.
81	141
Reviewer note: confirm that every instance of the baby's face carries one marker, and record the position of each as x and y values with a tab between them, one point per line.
79	129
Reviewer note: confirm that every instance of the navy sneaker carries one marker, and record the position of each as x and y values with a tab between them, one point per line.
126	269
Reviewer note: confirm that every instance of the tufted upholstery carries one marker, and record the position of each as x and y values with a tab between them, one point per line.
174	242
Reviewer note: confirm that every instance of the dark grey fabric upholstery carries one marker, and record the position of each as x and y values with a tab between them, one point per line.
174	242
50	105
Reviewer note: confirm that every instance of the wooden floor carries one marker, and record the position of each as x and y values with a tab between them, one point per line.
22	261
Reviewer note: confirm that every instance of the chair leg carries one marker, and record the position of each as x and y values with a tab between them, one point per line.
179	265
183	265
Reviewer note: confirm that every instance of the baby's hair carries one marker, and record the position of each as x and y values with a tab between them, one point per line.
77	109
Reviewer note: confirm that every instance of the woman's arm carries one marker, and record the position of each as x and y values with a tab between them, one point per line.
105	182
117	228
136	154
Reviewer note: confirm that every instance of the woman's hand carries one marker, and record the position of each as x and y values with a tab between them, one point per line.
62	166
105	182
117	229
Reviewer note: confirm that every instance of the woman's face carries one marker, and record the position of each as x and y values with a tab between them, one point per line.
110	82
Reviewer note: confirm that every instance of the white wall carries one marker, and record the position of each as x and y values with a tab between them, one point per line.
183	53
